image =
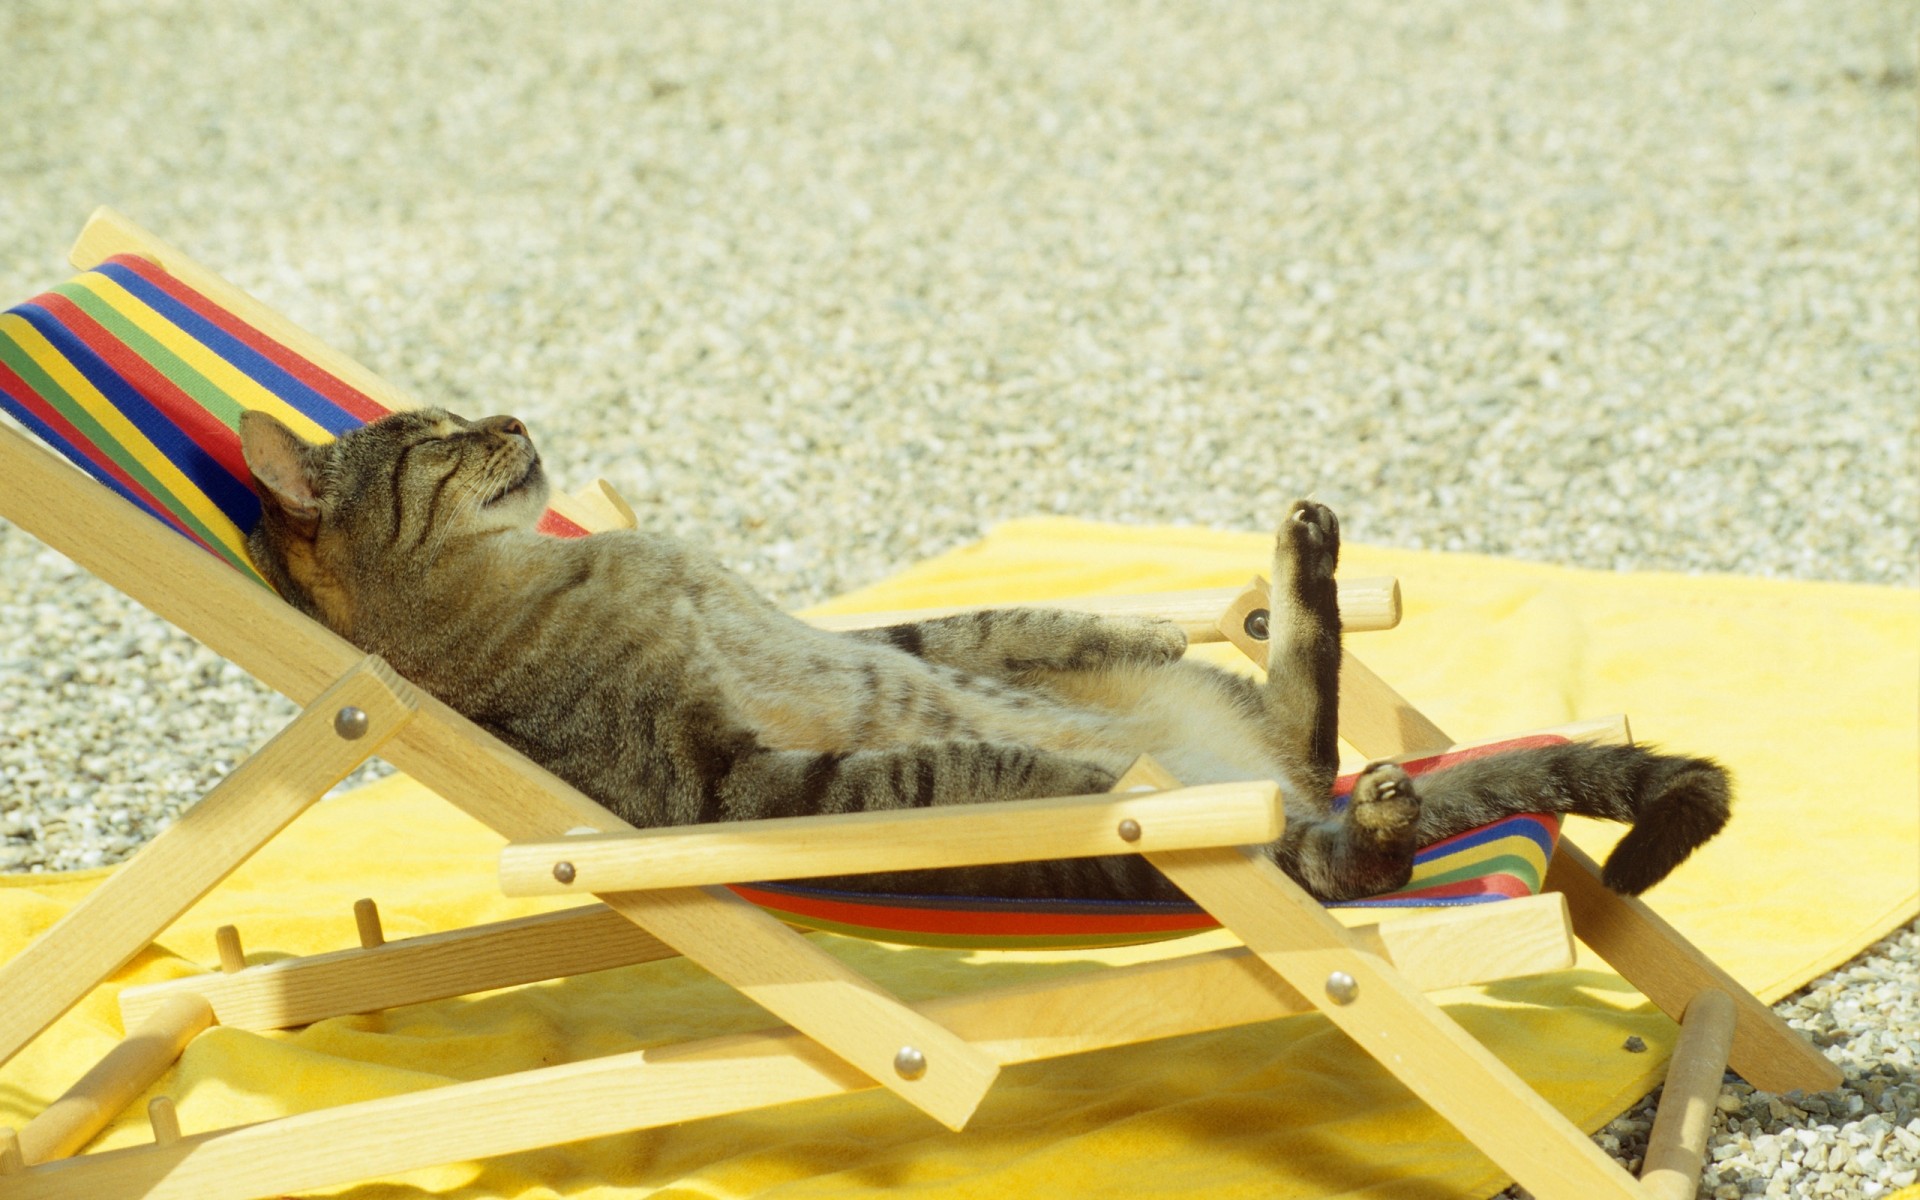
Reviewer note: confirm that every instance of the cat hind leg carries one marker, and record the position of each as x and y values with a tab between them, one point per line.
1365	849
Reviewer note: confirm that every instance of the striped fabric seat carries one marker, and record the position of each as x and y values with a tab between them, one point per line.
1500	861
140	381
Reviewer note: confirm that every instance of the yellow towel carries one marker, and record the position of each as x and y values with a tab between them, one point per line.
1807	691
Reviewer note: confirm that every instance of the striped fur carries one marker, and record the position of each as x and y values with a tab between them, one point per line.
640	670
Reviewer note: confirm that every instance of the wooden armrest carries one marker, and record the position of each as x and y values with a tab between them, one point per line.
1365	604
1221	814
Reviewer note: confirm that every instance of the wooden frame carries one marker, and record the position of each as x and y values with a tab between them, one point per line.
844	1032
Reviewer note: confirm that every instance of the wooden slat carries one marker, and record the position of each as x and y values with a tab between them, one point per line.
1455	1075
1378	721
117	919
131	1067
1367	603
1043	1019
434	966
1224	814
1522	935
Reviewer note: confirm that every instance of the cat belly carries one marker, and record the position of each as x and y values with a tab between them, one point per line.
1180	718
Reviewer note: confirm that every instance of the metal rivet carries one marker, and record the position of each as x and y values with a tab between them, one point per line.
563	871
1342	988
350	723
1129	830
1256	625
910	1063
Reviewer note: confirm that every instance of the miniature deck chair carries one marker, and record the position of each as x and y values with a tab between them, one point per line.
147	324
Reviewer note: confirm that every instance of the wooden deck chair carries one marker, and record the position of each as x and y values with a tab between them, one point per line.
142	321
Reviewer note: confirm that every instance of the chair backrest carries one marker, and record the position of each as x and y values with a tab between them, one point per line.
140	381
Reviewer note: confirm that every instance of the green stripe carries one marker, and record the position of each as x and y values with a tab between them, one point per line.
205	392
1500	864
49	389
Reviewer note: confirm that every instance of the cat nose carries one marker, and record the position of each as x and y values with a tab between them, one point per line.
509	425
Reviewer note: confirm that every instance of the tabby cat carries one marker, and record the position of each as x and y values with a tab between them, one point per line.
638	669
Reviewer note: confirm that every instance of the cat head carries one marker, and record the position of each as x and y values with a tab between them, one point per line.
381	502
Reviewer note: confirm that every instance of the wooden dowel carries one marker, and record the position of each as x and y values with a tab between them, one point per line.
1678	1144
165	1121
366	917
1220	814
11	1160
143	1056
232	957
1365	604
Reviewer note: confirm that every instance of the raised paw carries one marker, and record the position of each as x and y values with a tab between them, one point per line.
1311	536
1384	807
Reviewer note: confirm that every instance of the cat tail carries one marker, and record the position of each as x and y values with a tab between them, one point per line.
1673	803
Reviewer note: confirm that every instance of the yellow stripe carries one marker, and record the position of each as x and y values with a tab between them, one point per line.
181	489
1518	847
218	371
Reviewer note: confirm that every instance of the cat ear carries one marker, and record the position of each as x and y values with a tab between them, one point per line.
283	470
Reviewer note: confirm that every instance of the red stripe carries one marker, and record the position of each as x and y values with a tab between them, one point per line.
332	387
34	403
349	398
1480	885
555	525
188	414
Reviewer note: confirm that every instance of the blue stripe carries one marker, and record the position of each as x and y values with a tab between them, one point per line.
51	437
204	471
1514	826
256	366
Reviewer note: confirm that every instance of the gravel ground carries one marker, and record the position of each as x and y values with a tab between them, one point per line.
1619	286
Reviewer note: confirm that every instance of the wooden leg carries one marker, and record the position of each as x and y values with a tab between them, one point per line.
1038	1019
130	1068
120	917
1678	1144
909	1054
1646	951
1375	1005
1654	957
